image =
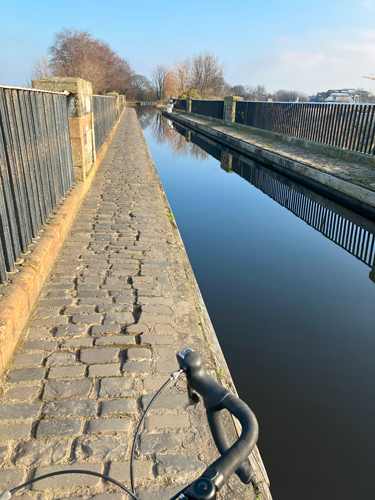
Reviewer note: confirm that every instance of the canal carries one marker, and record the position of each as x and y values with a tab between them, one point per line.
288	280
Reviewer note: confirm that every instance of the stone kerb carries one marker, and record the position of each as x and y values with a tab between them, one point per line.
81	119
230	108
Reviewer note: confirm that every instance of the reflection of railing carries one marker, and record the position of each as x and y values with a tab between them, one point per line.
350	231
346	233
347	126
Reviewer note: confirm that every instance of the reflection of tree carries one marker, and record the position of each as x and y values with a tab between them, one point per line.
146	115
149	117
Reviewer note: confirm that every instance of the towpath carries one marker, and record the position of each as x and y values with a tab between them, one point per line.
101	340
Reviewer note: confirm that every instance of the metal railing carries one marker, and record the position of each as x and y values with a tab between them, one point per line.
347	126
179	104
104	109
36	166
213	109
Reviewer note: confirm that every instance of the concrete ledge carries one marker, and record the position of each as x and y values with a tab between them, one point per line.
357	198
18	298
316	147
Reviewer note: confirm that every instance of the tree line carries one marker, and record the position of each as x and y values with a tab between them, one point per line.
76	53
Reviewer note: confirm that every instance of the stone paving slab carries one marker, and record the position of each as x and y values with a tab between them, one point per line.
101	340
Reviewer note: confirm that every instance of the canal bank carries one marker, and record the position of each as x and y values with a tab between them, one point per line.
350	183
119	303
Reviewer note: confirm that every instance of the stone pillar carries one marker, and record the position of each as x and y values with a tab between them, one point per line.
116	95
188	105
226	162
81	119
230	108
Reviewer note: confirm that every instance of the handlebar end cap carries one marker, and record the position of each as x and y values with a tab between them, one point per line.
203	489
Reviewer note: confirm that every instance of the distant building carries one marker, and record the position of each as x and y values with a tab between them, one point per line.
341	95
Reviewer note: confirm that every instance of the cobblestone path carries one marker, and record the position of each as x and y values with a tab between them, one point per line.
101	340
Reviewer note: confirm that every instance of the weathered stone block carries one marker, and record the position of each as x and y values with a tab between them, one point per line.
123	318
19	411
15	431
115	340
102	448
67	371
121	470
109	425
105	370
147	338
117	387
154	443
172	464
136	366
104	355
21	393
166	401
67	389
61	358
70	329
59	427
28	359
80	408
40	345
122	406
61	482
170	421
38	453
25	374
10	477
138	353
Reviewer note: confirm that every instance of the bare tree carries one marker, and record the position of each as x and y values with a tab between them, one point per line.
77	53
207	75
159	80
40	69
182	75
142	88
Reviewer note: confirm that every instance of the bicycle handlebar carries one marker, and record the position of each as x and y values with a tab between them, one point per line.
216	398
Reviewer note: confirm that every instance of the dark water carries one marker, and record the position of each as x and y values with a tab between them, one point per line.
292	302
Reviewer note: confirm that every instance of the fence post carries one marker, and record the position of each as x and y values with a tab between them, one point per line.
230	108
81	119
188	105
115	94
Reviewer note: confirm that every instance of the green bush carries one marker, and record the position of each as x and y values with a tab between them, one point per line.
192	94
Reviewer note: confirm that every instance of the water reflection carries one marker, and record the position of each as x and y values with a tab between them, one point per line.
348	230
166	131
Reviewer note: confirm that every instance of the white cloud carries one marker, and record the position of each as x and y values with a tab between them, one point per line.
320	60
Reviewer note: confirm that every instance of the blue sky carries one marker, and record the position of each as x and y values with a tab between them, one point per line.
307	46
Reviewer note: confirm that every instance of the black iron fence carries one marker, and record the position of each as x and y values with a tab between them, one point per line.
214	109
36	167
347	126
179	104
104	109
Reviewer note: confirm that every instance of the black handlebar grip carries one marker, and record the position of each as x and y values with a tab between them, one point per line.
217	397
215	419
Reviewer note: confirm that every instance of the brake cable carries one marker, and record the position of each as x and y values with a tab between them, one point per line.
173	376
